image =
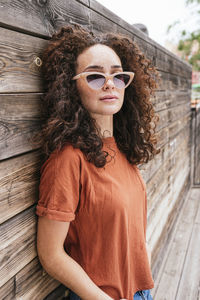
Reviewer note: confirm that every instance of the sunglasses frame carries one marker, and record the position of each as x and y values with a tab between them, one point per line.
83	75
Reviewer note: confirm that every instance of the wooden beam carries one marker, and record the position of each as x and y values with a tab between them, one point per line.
20	121
182	260
32	282
18	53
19	179
7	291
17	243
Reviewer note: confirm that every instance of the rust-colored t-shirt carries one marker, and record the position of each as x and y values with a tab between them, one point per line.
106	208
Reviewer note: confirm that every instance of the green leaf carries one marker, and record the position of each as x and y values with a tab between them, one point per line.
183	32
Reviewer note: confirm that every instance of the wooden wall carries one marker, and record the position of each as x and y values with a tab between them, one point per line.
195	153
25	27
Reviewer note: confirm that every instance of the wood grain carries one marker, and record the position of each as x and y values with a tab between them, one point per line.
196	151
189	285
183	254
19	122
19	179
18	70
163	191
163	244
32	282
60	293
46	17
17	243
42	18
7	291
165	99
171	64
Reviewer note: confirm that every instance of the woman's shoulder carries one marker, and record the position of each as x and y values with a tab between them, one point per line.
68	151
66	156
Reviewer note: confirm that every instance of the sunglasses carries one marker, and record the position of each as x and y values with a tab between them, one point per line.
97	80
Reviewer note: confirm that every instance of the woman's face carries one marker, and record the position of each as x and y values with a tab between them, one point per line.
107	100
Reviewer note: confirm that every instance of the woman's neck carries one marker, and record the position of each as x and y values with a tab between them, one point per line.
105	124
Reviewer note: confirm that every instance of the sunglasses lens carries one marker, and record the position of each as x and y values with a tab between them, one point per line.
95	81
121	80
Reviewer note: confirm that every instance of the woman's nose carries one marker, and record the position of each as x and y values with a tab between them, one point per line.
109	84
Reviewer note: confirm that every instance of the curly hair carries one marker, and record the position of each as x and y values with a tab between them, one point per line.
66	120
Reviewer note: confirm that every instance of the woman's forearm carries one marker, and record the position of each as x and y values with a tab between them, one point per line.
66	270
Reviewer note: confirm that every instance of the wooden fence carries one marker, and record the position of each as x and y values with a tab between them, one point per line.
195	152
25	27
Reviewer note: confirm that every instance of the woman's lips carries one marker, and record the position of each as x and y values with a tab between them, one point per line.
108	98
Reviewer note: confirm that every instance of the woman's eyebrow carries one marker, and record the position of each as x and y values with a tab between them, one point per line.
116	67
94	67
101	68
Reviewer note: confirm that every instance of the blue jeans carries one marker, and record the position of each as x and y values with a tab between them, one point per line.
141	295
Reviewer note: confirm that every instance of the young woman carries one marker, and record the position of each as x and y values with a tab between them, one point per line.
99	126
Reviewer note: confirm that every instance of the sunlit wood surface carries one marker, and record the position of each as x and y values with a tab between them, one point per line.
179	274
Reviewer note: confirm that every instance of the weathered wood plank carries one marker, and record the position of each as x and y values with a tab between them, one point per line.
7	291
196	150
163	243
167	62
19	121
42	18
171	143
173	114
164	192
46	17
166	99
33	283
173	82
101	24
17	244
60	293
195	194
177	127
19	178
85	2
167	282
98	9
169	133
189	284
166	188
162	137
19	72
185	82
162	208
178	112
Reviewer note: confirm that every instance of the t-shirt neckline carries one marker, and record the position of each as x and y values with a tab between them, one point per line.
109	140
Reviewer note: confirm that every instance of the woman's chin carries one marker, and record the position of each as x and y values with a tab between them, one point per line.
107	110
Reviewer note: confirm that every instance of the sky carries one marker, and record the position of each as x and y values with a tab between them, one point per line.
157	15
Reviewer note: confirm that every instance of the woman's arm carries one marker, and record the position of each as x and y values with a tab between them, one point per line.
50	244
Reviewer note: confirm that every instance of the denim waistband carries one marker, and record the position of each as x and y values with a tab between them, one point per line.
140	295
143	295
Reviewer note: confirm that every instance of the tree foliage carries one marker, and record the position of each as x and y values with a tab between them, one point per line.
189	43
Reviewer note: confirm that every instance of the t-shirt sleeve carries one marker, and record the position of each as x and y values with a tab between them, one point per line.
59	186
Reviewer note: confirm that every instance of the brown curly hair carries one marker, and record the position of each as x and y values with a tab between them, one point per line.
66	120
